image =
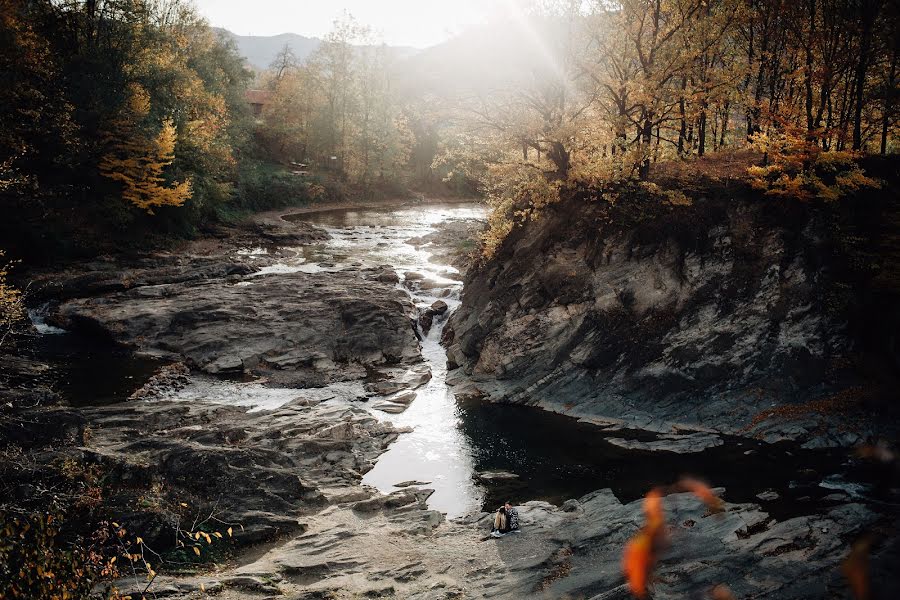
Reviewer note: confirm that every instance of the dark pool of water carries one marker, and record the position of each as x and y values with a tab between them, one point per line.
86	371
558	458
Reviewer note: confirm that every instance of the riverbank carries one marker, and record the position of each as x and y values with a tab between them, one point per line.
280	343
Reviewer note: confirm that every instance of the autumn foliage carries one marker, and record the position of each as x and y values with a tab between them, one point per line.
35	562
137	159
12	308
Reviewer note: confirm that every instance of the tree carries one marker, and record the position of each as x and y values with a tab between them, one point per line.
284	63
137	159
332	66
36	128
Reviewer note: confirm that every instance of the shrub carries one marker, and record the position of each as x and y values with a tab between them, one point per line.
799	168
12	309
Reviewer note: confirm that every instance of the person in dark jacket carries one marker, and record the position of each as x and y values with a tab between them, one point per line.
506	519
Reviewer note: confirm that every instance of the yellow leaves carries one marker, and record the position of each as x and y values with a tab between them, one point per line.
137	160
677	198
138	102
196	550
12	307
229	532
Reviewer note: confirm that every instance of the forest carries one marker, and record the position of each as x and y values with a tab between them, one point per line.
128	118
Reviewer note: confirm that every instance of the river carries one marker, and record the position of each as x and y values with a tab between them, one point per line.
546	456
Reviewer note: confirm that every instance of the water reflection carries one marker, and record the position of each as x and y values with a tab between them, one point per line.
436	451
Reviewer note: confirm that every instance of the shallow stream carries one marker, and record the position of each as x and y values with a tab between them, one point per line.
546	456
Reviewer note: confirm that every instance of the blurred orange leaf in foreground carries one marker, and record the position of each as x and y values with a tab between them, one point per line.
856	567
642	550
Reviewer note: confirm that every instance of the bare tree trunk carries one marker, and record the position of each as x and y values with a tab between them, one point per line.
808	69
646	139
682	132
561	159
888	102
725	110
868	12
701	133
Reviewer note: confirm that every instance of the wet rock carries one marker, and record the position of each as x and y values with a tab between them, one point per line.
768	495
388	276
390	407
492	476
167	380
454	243
397	380
426	320
428	316
250	584
111	276
676	443
393	500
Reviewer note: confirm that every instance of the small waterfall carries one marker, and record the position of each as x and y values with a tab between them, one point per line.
38	317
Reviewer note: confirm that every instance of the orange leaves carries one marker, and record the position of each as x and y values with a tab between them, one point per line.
856	567
653	510
637	562
721	592
703	491
642	551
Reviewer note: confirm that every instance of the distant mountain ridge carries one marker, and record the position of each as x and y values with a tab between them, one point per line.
261	50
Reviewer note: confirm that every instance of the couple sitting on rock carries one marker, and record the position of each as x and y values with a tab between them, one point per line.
506	519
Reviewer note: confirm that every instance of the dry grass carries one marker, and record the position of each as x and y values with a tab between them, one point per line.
842	403
720	168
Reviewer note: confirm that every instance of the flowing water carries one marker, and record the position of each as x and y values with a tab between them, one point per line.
551	457
437	451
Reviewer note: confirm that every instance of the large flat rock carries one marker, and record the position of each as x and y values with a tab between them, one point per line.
315	327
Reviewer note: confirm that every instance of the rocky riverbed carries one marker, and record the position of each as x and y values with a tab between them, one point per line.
292	385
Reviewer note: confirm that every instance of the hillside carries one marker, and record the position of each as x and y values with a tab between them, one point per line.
260	50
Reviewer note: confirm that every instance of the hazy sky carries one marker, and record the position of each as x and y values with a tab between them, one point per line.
416	23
